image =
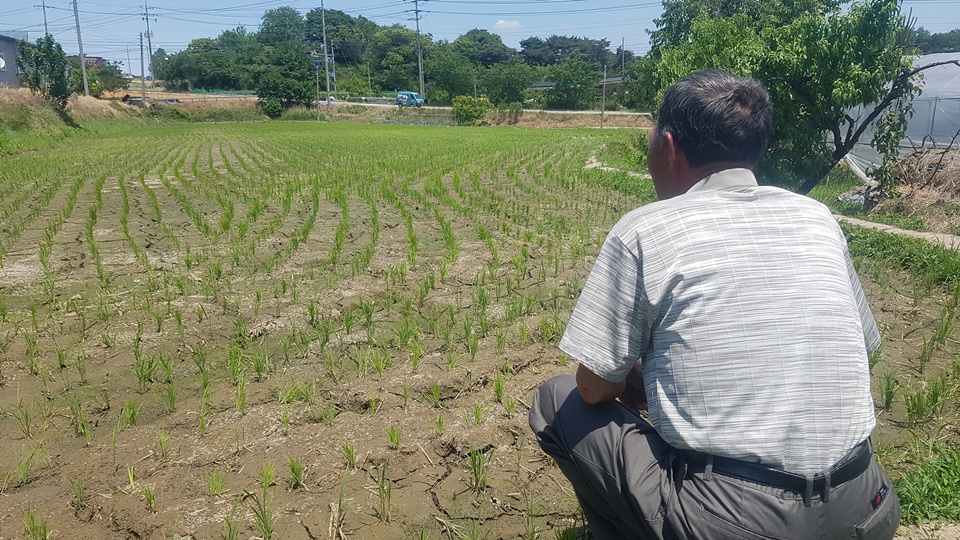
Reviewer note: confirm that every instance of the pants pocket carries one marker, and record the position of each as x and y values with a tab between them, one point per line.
882	523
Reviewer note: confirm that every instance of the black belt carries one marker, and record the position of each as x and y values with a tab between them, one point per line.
851	466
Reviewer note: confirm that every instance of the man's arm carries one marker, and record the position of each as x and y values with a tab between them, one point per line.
595	389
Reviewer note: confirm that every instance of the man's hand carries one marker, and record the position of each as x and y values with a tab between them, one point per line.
634	393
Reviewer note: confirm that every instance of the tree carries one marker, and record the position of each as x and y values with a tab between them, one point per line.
820	69
451	73
44	70
111	78
94	84
504	83
927	43
483	48
347	36
282	27
575	82
393	57
551	51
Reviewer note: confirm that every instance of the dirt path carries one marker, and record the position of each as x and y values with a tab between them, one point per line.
948	241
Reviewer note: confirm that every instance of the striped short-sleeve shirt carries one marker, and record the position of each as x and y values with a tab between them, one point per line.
744	308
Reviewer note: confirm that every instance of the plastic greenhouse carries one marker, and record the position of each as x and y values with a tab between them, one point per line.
936	118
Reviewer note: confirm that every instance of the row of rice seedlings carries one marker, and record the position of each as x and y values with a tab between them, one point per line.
14	227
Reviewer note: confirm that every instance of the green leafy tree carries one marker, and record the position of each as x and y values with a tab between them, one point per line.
282	27
450	74
347	36
111	77
575	80
232	61
505	83
94	84
277	85
483	48
819	68
554	49
393	57
44	70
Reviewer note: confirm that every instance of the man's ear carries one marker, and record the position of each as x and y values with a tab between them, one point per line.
674	154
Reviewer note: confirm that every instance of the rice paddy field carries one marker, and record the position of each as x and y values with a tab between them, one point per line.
320	330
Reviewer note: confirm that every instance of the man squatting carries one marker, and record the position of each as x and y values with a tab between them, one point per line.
732	313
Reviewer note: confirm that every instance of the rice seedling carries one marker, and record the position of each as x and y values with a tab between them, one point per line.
242	394
35	526
78	485
439	425
216	483
498	387
169	397
264	518
150	497
285	420
888	390
231	523
434	395
261	365
80	424
393	436
479	412
162	449
21	415
918	407
128	414
384	493
267	475
349	455
478	468
296	474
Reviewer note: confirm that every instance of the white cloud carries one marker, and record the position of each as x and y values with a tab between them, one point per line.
507	25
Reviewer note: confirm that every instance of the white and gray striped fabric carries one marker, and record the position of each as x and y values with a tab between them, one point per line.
746	312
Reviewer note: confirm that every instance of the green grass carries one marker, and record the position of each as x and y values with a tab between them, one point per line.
927	262
931	491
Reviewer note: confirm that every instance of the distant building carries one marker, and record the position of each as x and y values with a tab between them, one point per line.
9	45
92	61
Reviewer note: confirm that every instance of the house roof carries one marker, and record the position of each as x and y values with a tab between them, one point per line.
10	35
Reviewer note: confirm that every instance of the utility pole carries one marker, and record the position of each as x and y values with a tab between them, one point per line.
603	101
143	76
623	56
83	59
146	17
45	29
326	65
129	65
416	17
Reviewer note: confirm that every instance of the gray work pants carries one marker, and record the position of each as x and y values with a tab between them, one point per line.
631	484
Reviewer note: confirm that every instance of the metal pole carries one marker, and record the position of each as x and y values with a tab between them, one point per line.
416	9
623	56
45	29
146	15
83	60
143	76
326	66
603	101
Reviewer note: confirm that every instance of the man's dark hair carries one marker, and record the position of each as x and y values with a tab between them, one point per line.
716	116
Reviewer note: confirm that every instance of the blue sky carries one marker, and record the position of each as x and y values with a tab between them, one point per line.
111	28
